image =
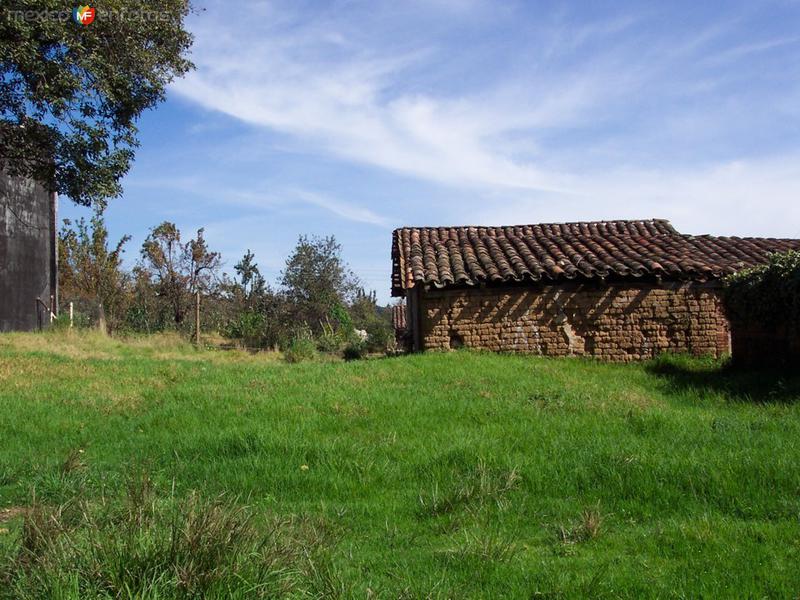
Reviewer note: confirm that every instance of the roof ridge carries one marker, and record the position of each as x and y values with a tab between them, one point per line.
550	224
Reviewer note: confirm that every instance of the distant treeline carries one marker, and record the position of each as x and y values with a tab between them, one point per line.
319	304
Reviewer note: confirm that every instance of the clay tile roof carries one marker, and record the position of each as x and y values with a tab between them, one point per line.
453	256
399	317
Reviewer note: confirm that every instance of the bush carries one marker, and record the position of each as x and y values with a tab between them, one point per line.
330	341
379	334
769	295
301	348
355	350
376	321
248	327
60	323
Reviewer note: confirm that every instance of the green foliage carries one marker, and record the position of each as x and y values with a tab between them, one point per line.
301	348
341	318
176	270
375	320
317	282
149	547
354	350
331	340
90	273
452	475
768	295
251	285
250	310
70	95
247	326
320	295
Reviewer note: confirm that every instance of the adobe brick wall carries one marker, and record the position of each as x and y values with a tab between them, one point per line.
615	322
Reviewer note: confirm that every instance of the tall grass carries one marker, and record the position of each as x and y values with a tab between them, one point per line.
149	546
440	475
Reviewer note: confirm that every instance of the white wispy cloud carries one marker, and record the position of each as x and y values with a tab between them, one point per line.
344	210
747	198
256	197
582	120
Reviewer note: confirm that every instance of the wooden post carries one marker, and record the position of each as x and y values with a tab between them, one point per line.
70	315
101	320
197	318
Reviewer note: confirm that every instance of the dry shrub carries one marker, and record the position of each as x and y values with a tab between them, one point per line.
586	528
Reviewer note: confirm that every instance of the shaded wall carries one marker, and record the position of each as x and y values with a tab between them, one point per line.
27	252
619	322
759	345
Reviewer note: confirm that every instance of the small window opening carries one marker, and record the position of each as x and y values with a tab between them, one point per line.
456	341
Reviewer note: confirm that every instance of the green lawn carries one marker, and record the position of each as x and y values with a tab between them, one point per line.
149	469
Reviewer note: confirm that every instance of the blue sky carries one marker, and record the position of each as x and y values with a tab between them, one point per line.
353	118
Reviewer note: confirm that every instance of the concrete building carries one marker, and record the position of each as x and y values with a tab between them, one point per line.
615	290
28	254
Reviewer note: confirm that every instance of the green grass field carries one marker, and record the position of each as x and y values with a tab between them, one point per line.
147	469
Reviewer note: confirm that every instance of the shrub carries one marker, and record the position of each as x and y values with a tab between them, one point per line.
379	334
330	341
248	327
333	337
301	348
355	349
341	317
376	321
60	323
769	295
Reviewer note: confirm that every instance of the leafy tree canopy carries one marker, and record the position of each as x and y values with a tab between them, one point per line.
178	269
251	283
318	283
90	271
70	94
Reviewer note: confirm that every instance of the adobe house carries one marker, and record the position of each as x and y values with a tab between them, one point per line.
616	290
28	254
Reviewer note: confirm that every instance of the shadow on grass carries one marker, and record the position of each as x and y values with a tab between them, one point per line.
705	375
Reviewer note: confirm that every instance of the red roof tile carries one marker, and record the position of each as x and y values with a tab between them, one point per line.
399	317
449	256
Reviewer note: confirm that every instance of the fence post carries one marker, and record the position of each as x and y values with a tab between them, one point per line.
101	320
70	315
197	318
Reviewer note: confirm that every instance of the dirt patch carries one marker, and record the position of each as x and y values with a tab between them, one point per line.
12	512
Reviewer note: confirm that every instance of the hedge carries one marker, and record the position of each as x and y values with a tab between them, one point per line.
767	295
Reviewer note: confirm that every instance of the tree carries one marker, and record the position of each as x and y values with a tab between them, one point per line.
89	271
251	284
317	281
249	303
70	94
177	270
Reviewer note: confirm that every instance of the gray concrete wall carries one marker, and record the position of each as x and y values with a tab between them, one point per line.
27	252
